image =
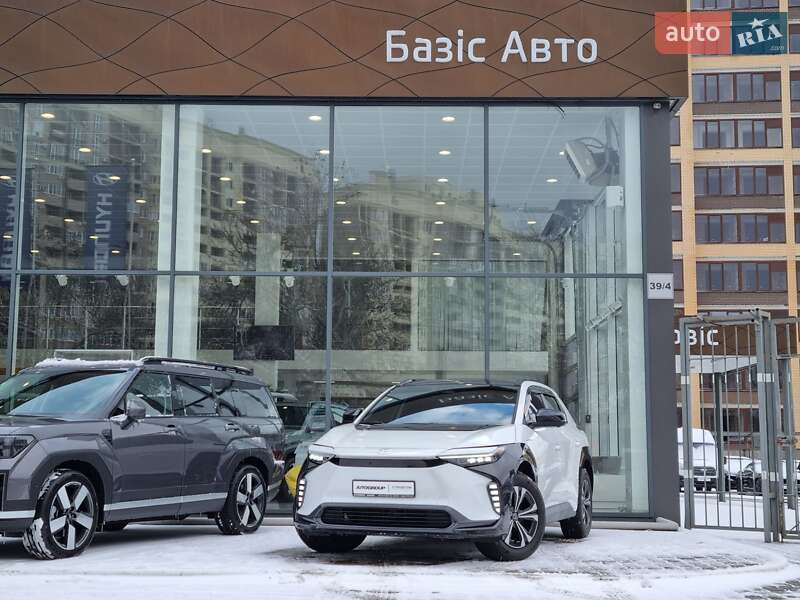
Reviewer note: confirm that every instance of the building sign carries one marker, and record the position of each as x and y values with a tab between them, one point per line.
460	50
107	217
722	32
514	49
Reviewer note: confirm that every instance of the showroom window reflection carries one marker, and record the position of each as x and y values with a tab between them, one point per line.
462	237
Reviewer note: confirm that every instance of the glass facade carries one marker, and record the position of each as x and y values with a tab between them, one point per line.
338	250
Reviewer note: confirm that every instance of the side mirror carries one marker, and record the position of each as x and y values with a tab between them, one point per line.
548	417
135	412
351	415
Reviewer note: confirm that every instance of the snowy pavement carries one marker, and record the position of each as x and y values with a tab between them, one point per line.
191	561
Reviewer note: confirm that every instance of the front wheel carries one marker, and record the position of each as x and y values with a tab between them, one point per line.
526	527
66	517
579	526
331	544
247	500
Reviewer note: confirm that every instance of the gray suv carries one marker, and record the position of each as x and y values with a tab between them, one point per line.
88	446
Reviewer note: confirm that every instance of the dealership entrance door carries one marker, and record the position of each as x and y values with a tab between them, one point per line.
738	444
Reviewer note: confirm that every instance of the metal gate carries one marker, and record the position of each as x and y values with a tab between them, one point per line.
737	444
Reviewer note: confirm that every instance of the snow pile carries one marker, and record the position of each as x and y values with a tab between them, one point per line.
79	363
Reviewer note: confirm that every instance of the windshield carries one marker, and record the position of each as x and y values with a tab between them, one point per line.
72	394
454	409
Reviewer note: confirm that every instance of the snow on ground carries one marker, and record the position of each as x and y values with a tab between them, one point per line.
735	509
194	561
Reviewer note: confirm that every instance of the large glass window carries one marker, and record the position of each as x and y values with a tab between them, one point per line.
98	190
408	189
582	337
565	190
389	329
85	316
252	188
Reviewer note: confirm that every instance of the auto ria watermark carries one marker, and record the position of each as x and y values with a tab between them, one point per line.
721	32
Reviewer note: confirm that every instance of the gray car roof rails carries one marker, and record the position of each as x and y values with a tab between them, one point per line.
160	360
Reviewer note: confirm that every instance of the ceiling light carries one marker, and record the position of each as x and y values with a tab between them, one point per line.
39	200
94	237
517	254
241	202
437	253
8	236
437	239
351	239
440	203
552	180
34	252
346	222
335	180
114	177
84	150
206	150
443	180
356	253
324	152
341	202
5	177
562	153
141	201
115	252
47	115
254	221
68	220
444	153
531	222
438	222
224	178
448	119
315	118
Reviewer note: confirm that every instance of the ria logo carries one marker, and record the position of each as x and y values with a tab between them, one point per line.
105	179
721	32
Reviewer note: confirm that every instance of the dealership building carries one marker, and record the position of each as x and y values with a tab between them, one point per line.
346	195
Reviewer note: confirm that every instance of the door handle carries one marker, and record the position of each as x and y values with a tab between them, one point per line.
231	427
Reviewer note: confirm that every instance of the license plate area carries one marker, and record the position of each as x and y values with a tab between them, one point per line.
384	489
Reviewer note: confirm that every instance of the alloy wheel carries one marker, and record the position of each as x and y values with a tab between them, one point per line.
72	516
250	500
524	518
586	500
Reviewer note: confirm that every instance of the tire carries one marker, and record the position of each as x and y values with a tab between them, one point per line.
247	500
758	486
527	524
66	517
114	526
331	544
579	526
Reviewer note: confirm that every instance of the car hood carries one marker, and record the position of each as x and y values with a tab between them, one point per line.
349	442
19	424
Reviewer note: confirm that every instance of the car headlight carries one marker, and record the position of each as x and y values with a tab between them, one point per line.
13	445
473	457
320	454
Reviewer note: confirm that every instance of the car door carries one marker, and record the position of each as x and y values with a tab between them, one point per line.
546	445
572	444
206	438
149	452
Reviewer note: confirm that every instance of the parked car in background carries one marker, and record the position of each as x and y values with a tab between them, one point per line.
487	463
92	446
733	465
704	459
751	478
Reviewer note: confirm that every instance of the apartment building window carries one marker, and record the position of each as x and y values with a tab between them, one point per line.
736	87
740	229
738	181
741	277
675	132
740	133
677	274
794	82
675	178
797	229
795	133
677	226
794	39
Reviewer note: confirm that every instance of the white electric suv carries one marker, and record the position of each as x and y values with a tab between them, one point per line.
452	460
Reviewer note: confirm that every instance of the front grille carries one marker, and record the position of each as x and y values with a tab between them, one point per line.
388	463
390	518
705	471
